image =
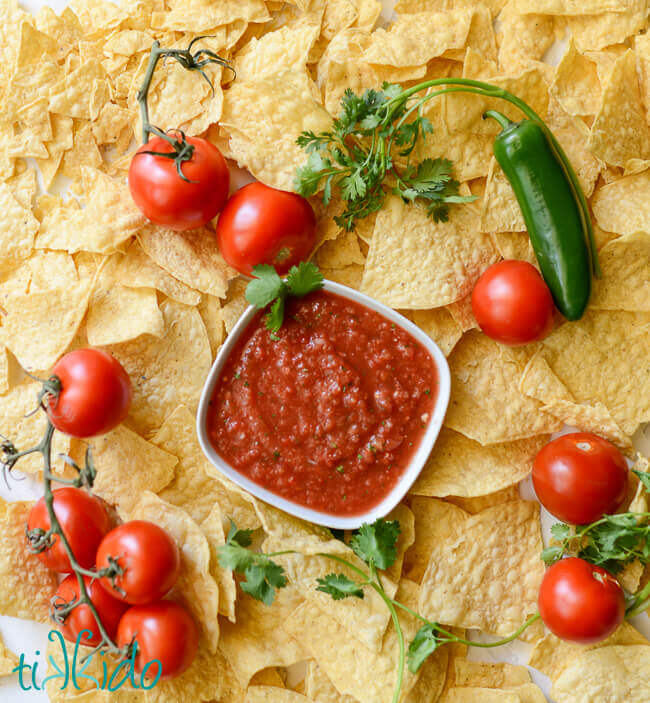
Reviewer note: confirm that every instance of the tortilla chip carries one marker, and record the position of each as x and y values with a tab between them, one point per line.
620	131
210	310
623	206
285	49
452	467
109	218
26	585
137	270
318	687
605	28
490	674
258	639
522	39
443	259
126	465
340	252
614	342
192	257
413	40
477	504
17	230
435	521
497	591
623	674
197	588
270	694
576	85
262	136
486	404
166	372
501	211
440	325
213	529
205	16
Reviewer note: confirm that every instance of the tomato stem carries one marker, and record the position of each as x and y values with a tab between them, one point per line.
39	539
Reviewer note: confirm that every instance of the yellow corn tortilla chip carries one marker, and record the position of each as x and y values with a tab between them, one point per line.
576	85
17	230
623	674
364	674
137	270
126	465
501	212
443	259
490	674
205	16
318	687
268	677
415	39
606	28
26	432
440	325
478	504
110	124
340	252
258	639
486	404
523	38
620	131
494	581
572	7
213	530
615	344
551	654
285	49
485	695
166	372
26	585
119	314
210	309
406	538
264	119
196	586
435	521
642	47
109	218
452	467
235	304
197	486
192	257
625	283
623	206
270	694
71	96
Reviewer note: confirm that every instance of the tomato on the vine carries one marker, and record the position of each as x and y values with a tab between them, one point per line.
512	304
109	609
580	602
580	477
84	520
264	225
179	203
95	393
149	557
165	632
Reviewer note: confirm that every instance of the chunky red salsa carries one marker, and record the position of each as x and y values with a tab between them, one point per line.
329	412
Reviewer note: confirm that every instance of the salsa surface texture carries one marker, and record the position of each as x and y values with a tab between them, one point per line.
329	413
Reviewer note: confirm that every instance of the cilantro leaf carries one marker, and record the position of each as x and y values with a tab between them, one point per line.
304	279
339	586
644	477
560	531
551	554
377	543
275	316
265	288
424	644
262	575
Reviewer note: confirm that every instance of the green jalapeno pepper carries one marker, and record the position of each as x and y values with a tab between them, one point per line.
551	211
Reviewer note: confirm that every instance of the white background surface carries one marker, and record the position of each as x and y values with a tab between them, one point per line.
26	637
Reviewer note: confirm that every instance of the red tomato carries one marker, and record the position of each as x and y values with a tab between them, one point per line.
580	602
109	609
150	559
165	198
164	632
84	520
96	393
512	304
263	225
580	477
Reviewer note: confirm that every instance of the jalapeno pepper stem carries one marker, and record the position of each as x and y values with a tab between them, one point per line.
504	121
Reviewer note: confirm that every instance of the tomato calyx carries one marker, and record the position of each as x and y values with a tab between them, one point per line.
181	150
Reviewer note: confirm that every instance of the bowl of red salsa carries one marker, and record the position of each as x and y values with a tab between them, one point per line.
333	417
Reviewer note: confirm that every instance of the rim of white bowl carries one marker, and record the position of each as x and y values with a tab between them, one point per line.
416	464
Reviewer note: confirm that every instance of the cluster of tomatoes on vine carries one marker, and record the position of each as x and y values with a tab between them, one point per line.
115	578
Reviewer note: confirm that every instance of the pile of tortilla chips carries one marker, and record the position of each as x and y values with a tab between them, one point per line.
87	269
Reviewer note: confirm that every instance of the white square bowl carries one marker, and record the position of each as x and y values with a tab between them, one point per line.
417	461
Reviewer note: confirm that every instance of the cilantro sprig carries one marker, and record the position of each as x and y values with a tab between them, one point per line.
373	136
377	546
267	289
